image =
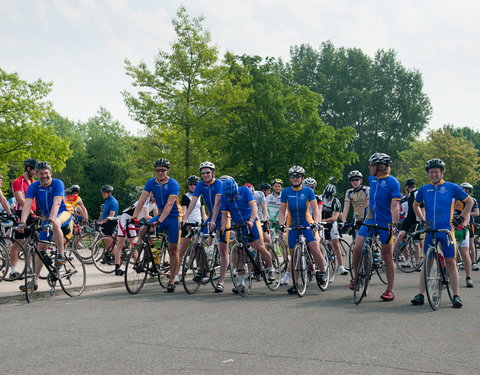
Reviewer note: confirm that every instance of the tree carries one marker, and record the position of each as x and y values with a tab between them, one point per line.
379	97
187	92
278	127
459	154
24	131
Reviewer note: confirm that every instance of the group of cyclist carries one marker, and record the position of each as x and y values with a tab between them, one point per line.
377	210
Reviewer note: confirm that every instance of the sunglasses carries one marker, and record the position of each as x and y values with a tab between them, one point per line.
160	170
296	176
208	172
355	179
192	184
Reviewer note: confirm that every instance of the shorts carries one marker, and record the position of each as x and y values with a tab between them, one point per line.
385	236
170	225
331	231
225	236
125	228
108	228
256	232
294	235
462	237
67	227
448	250
26	232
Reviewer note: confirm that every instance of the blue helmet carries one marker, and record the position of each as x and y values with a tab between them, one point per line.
230	188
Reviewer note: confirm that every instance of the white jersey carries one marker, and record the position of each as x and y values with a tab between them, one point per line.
273	206
196	214
259	198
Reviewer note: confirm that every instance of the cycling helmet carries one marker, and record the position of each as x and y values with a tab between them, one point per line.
329	191
354	174
296	170
277	181
434	163
68	191
265	186
230	188
466	185
249	186
207	164
29	163
161	163
310	181
75	189
193	179
225	177
380	158
410	182
106	189
43	165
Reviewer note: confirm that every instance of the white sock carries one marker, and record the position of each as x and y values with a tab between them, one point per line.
241	278
13	269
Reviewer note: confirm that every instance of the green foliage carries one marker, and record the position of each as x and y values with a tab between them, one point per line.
459	154
24	131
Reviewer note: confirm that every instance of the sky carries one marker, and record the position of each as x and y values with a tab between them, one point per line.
81	46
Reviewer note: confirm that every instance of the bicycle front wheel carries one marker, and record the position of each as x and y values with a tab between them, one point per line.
272	285
194	268
102	254
83	245
364	272
215	266
72	274
299	269
433	278
239	270
4	262
137	267
350	259
330	262
29	276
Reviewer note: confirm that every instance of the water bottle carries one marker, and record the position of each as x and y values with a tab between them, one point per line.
46	257
376	257
210	252
156	255
443	264
252	251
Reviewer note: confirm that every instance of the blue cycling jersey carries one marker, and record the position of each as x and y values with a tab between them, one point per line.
111	204
209	191
162	191
239	208
382	192
298	201
46	194
439	203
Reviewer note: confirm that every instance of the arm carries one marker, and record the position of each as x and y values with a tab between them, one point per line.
191	206
26	210
55	207
168	207
281	214
83	210
4	203
265	211
204	214
216	208
418	211
141	202
395	208
346	208
466	210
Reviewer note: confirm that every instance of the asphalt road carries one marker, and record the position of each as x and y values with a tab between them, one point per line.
111	332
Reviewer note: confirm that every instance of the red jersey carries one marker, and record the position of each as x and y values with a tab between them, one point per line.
22	184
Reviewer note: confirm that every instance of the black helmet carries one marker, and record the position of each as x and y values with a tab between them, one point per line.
192	179
43	165
410	182
277	181
106	189
75	189
161	163
380	158
29	163
329	191
265	186
434	163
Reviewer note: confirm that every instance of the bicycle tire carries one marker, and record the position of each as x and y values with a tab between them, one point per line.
163	267
137	268
194	268
446	282
4	262
433	278
332	264
9	243
299	269
281	250
83	244
238	255
72	275
272	285
102	254
350	259
215	266
364	272
345	250
29	275
328	269
409	246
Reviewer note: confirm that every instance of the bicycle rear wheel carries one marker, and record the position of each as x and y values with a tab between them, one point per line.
194	268
4	262
215	266
239	270
364	272
446	282
408	251
345	250
433	278
72	275
137	268
329	257
272	285
102	254
164	266
30	276
9	243
350	259
83	245
299	269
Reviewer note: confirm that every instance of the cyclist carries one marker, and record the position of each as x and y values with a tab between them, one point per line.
241	205
383	211
3	200
261	196
19	187
49	193
210	189
273	201
438	197
331	209
468	188
73	198
410	221
296	201
357	197
197	216
166	191
110	210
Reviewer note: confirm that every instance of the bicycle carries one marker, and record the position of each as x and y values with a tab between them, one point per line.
279	246
146	260
7	241
304	268
368	265
435	269
414	258
329	252
246	262
71	276
84	241
198	265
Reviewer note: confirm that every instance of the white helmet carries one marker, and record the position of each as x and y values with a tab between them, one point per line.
310	181
296	169
207	164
